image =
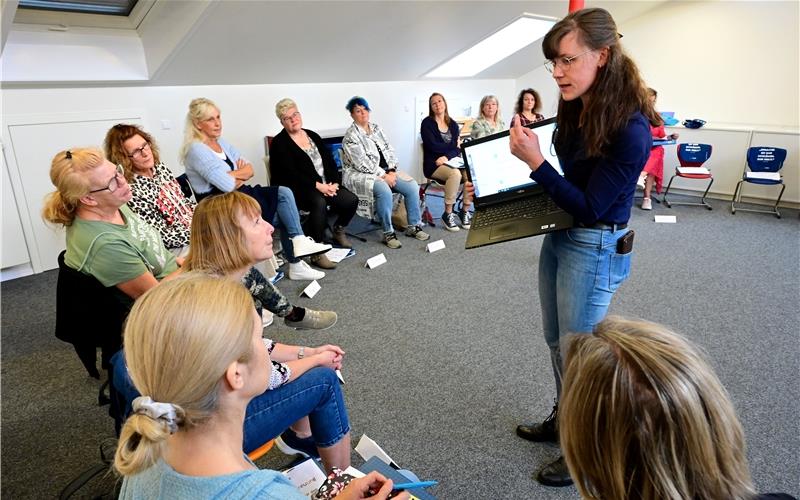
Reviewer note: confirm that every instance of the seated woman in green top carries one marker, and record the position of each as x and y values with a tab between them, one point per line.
104	238
193	348
489	121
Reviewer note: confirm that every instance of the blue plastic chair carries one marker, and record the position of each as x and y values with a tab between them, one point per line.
765	163
691	155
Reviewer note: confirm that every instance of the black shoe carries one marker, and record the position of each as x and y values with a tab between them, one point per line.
555	474
544	431
290	444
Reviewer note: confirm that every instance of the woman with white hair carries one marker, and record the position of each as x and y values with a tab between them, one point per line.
299	160
489	120
214	166
194	350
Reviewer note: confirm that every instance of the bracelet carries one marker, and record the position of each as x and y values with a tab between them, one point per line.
301	353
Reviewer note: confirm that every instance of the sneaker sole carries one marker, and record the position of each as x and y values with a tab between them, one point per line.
308	328
311	254
288	450
304	278
452	229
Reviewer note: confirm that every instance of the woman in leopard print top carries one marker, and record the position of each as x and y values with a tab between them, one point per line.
157	196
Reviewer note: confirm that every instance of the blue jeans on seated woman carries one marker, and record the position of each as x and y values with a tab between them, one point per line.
383	201
579	271
316	393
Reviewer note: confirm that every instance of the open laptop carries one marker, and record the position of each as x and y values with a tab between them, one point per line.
508	204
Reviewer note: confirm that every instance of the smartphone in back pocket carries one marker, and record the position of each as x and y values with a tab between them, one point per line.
625	243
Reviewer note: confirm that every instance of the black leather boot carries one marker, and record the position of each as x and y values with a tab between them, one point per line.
543	431
555	474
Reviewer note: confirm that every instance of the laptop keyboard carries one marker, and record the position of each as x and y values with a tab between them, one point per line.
528	208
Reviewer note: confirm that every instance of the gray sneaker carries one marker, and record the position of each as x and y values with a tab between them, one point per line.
391	241
314	320
418	233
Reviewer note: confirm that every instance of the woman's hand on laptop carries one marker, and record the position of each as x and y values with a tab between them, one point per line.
524	145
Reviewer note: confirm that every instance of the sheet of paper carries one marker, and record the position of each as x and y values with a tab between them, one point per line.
339	254
435	245
456	162
311	289
694	170
339	375
376	261
368	448
671	219
307	477
772	176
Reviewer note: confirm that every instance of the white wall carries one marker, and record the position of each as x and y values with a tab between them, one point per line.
725	62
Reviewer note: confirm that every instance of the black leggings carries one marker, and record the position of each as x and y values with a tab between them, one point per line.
344	204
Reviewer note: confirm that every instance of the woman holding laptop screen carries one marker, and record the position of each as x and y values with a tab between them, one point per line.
602	141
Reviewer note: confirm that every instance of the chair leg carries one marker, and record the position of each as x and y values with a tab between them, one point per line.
733	200
777	213
703	198
666	201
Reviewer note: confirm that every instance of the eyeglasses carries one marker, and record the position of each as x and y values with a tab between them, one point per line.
562	62
138	152
113	184
294	115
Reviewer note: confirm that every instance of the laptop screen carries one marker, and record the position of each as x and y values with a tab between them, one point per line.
494	170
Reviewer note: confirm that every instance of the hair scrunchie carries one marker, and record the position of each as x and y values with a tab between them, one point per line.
144	405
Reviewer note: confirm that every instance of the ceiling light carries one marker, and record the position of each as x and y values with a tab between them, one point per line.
519	34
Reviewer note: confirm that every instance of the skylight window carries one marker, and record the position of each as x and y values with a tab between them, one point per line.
519	34
107	7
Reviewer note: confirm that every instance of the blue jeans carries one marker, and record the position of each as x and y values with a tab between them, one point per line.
383	201
579	271
317	393
287	219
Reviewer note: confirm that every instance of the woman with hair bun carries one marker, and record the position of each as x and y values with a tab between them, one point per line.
194	351
105	239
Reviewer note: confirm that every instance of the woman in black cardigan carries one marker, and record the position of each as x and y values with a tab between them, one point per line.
300	161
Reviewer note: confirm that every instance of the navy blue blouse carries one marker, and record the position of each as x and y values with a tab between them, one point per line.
600	189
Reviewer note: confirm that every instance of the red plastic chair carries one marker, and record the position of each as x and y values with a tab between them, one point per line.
692	156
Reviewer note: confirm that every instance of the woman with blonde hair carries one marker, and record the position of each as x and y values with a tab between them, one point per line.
643	415
304	407
214	166
489	121
105	239
194	350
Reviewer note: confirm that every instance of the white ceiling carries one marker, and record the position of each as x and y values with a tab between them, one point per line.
264	42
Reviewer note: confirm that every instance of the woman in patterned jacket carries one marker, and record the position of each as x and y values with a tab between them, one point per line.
370	171
157	196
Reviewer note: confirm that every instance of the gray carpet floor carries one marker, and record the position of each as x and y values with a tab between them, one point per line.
445	354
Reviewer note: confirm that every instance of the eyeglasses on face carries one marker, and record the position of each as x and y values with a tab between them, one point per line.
139	152
562	62
294	115
113	184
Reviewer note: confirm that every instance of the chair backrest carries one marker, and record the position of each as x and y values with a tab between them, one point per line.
693	154
186	186
765	159
88	316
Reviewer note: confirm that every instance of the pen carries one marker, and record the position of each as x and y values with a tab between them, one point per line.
414	485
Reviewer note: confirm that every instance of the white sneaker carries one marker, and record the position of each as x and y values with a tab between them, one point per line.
300	271
266	318
647	204
640	182
304	246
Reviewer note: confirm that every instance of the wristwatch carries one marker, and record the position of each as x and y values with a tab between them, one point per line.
301	353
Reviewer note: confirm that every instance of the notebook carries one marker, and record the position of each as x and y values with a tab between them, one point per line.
509	205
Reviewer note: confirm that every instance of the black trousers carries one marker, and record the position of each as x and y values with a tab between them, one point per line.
344	205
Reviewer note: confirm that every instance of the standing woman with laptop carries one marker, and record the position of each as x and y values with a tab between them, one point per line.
602	140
